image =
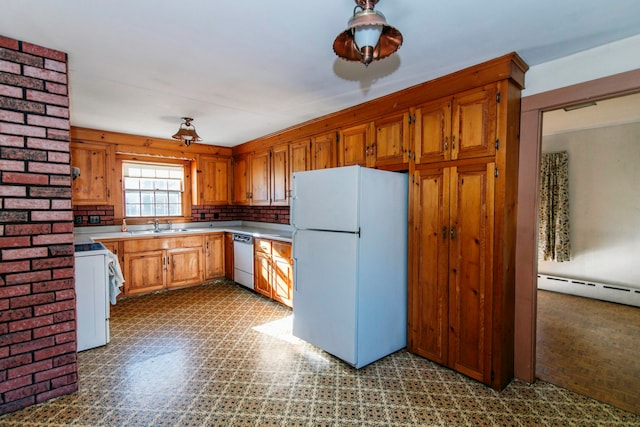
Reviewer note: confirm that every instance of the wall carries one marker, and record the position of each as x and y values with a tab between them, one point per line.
37	294
272	214
604	203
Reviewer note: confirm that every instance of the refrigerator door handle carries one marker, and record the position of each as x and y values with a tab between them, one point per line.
294	257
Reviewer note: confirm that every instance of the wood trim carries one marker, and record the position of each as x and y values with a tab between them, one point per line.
509	66
526	245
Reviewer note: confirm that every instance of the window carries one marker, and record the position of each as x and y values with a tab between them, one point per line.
152	190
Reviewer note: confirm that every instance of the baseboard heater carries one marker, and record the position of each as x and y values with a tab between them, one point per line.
586	288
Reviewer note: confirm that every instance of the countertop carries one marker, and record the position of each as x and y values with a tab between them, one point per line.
281	232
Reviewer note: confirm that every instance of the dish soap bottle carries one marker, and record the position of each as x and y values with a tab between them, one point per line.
124	225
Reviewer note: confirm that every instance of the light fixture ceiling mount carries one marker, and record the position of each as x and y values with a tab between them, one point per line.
187	132
368	37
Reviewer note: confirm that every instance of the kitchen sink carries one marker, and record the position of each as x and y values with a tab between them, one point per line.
165	231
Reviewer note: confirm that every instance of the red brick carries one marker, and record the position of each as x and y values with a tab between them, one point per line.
31	323
51	239
60	250
24	178
16	405
31	368
66	294
9	67
22	130
57	111
34	300
12	91
60	180
24	253
59	134
61	205
23	154
61	391
55	65
4	304
9	43
64	316
51	263
44	74
21	105
48	353
14	216
26	391
56	372
15	338
21	313
42	310
62	381
49	168
66	337
59	89
47	122
44	52
14	291
22	273
15	361
21	229
11	116
65	359
26	203
34	344
53	285
12	165
47	144
15	383
50	192
60	227
11	141
51	216
47	98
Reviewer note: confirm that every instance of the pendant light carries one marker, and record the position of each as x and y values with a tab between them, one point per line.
368	37
187	132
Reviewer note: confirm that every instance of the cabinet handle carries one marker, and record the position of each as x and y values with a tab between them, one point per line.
444	233
453	142
446	143
453	233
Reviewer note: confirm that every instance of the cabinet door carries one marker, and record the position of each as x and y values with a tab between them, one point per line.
262	273
228	256
354	145
324	150
473	132
431	140
184	267
214	262
282	274
429	236
260	174
94	161
471	269
241	179
299	159
392	138
144	272
280	175
213	180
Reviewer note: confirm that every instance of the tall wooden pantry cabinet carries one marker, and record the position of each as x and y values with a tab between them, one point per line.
463	190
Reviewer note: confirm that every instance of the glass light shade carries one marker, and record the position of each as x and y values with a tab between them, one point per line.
367	35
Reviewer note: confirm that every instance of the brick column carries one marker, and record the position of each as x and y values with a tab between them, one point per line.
37	294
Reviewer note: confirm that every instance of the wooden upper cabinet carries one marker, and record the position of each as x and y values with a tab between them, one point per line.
461	127
324	151
355	147
242	179
95	161
432	132
213	180
299	159
260	182
280	175
391	141
473	132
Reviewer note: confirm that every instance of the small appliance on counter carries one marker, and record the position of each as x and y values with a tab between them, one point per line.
350	261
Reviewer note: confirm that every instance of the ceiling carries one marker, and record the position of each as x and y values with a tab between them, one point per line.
245	69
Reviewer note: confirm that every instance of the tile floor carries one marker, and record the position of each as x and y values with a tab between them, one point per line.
219	355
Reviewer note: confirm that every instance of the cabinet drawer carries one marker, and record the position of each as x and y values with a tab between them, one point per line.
262	246
158	243
281	249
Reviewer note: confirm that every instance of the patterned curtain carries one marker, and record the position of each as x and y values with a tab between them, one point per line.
553	233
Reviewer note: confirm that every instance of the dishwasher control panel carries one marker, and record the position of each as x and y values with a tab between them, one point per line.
243	238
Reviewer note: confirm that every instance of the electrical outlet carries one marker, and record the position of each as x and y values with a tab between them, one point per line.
202	215
77	219
94	219
216	215
277	216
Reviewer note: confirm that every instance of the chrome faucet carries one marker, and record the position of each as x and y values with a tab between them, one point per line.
156	225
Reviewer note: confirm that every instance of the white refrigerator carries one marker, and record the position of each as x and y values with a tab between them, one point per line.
350	261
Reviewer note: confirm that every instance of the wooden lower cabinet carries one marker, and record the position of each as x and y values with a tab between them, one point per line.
273	270
214	256
162	263
228	255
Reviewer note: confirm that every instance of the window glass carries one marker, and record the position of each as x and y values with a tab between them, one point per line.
153	190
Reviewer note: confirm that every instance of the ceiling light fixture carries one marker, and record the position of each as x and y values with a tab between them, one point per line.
187	132
368	37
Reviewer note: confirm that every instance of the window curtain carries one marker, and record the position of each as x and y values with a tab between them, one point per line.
553	234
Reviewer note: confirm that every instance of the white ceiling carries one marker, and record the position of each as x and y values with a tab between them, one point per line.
244	69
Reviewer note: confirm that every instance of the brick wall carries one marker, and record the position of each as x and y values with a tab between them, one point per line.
103	212
272	214
37	294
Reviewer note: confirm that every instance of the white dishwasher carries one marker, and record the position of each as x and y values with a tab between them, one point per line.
243	259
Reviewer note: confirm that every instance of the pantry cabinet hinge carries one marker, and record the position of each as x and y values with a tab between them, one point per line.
498	97
412	119
497	144
337	137
495	172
